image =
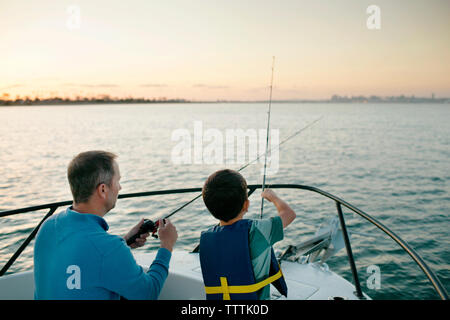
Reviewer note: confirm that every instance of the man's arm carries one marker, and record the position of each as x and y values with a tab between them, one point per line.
122	275
285	212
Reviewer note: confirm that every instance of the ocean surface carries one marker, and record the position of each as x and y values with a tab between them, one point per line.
389	160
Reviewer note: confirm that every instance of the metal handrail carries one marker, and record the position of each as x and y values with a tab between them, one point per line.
339	202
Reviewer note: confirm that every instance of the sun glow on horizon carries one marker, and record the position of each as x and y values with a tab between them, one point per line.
222	50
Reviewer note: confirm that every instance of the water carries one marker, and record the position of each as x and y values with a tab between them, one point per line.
391	161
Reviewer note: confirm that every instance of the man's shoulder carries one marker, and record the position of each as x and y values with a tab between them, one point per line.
49	225
84	235
52	219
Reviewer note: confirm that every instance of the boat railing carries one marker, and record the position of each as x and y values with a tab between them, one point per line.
339	203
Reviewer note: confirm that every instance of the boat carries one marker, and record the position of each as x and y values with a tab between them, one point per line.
304	266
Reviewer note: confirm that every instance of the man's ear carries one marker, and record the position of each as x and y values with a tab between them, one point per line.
101	190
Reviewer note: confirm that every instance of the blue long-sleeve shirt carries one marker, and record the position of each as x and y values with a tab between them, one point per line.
76	258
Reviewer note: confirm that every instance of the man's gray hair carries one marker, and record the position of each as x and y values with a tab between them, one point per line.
87	171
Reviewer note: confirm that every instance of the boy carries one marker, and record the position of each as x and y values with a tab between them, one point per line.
236	256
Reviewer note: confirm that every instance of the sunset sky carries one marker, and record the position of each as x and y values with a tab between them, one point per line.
208	50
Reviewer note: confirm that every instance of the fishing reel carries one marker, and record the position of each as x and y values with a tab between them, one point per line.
147	226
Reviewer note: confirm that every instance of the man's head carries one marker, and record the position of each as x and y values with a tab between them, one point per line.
225	194
94	175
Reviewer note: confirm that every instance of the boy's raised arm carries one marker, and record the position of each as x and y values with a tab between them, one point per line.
284	211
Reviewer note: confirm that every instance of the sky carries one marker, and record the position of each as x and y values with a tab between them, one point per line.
222	50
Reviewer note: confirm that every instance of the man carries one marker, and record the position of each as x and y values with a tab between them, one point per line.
74	255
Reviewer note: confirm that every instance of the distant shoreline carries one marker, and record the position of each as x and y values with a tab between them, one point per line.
334	99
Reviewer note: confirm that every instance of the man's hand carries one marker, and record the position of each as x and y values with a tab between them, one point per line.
168	234
139	241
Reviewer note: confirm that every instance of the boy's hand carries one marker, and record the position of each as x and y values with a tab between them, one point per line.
285	212
269	195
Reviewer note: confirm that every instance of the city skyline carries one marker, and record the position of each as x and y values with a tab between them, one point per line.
223	50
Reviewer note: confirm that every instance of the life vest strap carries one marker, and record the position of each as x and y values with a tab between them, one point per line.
227	290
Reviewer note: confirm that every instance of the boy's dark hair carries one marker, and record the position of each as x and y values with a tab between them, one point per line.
224	194
87	171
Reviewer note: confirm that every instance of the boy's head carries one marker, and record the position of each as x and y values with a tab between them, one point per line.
224	194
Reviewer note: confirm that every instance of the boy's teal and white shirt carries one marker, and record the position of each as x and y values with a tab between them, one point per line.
263	235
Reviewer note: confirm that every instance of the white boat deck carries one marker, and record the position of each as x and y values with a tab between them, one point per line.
185	282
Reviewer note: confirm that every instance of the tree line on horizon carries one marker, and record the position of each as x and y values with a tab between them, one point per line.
83	100
102	99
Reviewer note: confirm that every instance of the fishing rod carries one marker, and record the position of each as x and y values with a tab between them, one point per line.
150	226
282	142
263	186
